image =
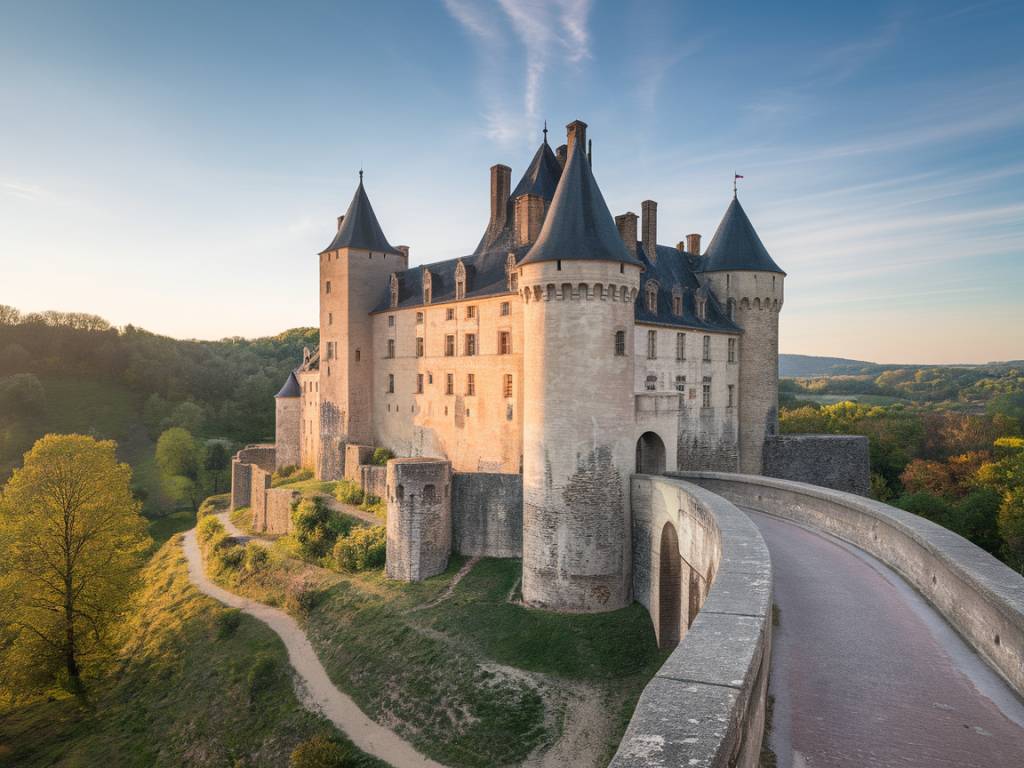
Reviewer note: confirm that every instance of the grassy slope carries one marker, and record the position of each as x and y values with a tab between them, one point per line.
180	693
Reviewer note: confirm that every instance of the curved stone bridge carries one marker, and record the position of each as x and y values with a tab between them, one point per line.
899	643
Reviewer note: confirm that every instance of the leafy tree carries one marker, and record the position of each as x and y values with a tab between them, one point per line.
187	415
1011	526
71	544
180	457
218	459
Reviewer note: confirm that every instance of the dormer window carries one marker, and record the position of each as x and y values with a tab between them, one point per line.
511	275
677	302
652	296
702	308
427	288
460	281
732	309
394	289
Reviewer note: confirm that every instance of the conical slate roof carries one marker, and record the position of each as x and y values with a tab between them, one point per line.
736	245
578	226
360	228
541	177
291	387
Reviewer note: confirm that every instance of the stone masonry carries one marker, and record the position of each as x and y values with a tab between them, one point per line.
419	529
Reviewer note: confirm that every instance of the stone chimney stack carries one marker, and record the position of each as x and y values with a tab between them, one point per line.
341	220
649	210
405	255
501	187
693	244
562	153
576	131
627	230
529	218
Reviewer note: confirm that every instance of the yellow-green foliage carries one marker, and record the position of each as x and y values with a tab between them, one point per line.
208	528
362	549
347	492
381	456
290	475
375	506
212	505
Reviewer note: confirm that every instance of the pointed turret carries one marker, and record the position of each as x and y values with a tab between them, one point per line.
288	424
578	225
359	227
291	387
736	246
542	175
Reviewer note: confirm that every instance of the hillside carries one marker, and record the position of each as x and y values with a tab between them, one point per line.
811	365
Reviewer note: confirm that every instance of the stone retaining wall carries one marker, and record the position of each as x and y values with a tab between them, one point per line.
981	597
279	510
487	514
241	482
258	499
373	478
706	705
839	462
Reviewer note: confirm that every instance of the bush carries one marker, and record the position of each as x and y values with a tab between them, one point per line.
316	527
294	476
285	472
380	456
229	557
262	675
375	506
302	597
256	557
347	492
208	528
227	622
211	506
362	549
323	752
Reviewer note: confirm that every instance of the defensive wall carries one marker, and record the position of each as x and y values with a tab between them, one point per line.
487	514
706	705
981	597
840	462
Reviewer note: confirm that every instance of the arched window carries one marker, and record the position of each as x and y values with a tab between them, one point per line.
429	494
460	281
427	286
394	289
511	274
652	296
620	343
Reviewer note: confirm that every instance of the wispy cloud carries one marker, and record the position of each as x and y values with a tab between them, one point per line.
21	190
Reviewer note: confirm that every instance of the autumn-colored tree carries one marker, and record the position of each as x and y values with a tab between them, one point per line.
71	544
1011	526
925	475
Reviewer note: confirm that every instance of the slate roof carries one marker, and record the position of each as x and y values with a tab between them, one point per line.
578	225
736	245
291	387
360	228
542	175
675	269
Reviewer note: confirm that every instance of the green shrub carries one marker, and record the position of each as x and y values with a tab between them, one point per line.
230	556
323	752
284	472
208	528
211	506
294	476
348	492
227	622
362	549
375	506
256	557
380	456
316	527
262	675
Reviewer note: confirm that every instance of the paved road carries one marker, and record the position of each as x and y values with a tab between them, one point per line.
866	673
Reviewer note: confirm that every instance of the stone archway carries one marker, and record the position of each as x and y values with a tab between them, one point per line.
669	587
650	454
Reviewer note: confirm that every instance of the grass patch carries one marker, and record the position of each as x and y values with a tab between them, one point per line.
162	528
311	486
191	686
242	519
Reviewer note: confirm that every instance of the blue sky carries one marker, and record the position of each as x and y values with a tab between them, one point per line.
179	165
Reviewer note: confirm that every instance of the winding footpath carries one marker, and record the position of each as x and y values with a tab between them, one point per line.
866	673
320	694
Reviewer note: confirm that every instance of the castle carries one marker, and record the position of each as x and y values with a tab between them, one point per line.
567	352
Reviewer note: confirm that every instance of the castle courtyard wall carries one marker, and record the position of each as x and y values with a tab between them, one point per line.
487	514
278	515
260	485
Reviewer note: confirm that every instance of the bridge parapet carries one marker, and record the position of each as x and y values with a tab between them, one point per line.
981	597
706	705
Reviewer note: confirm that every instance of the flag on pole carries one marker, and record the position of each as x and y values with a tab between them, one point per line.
735	176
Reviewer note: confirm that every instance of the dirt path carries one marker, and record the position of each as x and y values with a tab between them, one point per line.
320	694
466	568
350	510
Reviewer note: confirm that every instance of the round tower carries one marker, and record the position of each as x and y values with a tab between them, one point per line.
750	284
288	418
578	283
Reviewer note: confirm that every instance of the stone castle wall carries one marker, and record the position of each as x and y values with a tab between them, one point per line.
241	484
840	462
258	501
373	479
355	457
487	514
419	527
278	513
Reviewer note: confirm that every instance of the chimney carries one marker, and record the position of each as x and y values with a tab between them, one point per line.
576	131
341	219
590	153
405	255
562	153
649	210
693	244
627	230
529	218
501	186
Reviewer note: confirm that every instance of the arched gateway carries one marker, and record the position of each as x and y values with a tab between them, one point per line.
650	454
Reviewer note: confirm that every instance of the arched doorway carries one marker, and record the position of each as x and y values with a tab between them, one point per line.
670	572
650	454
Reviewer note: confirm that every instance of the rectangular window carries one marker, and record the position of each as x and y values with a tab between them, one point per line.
449	346
449	314
391	348
430	377
652	345
504	343
680	346
505	309
470	383
419	318
732	350
651	382
706	401
330	318
732	390
707	349
391	383
391	321
470	344
677	306
680	383
620	343
449	385
508	385
327	287
419	346
470	312
419	383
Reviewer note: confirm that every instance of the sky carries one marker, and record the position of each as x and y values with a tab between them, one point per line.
178	166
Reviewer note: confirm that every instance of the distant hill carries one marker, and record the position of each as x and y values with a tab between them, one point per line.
811	365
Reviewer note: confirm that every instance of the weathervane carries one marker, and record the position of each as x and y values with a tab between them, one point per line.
735	176
545	131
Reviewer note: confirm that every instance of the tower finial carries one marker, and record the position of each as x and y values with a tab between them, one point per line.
735	176
545	131
360	173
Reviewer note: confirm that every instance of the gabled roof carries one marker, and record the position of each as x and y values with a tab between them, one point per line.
291	387
736	245
542	175
360	228
578	226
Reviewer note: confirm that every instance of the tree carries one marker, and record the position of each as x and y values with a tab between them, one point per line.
179	457
217	461
9	315
71	545
1011	526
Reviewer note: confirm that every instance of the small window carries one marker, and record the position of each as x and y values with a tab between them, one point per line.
732	390
449	314
419	318
470	312
504	343
677	305
359	355
391	383
470	344
702	309
732	350
652	297
558	265
391	348
651	382
470	383
652	345
430	377
507	391
707	349
706	388
732	309
330	318
449	345
327	287
391	321
680	383
449	386
680	346
419	383
427	286
505	309
511	273
419	346
460	281
620	343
